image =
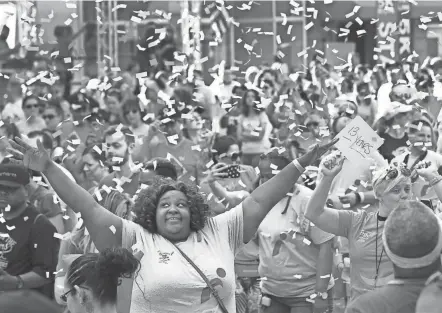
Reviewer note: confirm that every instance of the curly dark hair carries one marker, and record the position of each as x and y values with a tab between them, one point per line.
145	207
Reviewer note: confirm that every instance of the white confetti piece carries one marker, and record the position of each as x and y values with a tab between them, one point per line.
308	26
306	241
297	276
113	229
58	236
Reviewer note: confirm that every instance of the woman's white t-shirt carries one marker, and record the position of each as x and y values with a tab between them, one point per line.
167	283
253	123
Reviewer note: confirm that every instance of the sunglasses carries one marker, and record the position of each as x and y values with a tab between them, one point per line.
393	173
48	117
134	111
234	156
314	124
32	106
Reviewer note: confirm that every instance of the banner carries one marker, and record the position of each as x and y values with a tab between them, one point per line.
404	42
387	18
394	30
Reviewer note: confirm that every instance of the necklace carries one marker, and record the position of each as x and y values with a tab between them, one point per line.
378	264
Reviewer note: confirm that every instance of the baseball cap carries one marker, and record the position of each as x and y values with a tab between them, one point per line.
27	301
13	175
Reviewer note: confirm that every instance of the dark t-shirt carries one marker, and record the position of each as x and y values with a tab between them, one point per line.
27	243
392	147
397	297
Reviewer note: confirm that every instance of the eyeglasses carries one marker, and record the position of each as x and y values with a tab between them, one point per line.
64	297
48	117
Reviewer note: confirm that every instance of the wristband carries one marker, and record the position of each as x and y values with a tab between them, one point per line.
435	181
298	166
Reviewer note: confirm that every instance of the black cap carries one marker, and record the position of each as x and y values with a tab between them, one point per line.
14	175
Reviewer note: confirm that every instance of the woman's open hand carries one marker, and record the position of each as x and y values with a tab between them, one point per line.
315	153
332	164
36	159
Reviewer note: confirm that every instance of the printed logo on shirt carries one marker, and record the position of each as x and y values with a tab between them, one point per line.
364	236
205	295
164	257
296	238
6	246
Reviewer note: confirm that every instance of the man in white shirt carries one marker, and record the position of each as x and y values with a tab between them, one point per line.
394	74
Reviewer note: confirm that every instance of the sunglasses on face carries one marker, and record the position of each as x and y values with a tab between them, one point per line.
48	117
233	156
32	106
134	111
313	124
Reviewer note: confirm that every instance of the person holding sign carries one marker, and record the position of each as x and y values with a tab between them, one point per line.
370	266
391	128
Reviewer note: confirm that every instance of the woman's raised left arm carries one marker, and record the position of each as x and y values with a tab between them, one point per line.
265	197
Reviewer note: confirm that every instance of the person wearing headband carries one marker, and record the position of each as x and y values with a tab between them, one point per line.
420	136
370	267
412	239
430	299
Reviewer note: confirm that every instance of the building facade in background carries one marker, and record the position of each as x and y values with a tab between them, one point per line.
261	30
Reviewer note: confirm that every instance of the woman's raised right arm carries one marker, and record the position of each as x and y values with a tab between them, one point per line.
104	227
327	219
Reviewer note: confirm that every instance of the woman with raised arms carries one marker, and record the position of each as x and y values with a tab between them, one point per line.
187	258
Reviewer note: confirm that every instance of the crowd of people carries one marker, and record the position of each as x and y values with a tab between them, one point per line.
168	193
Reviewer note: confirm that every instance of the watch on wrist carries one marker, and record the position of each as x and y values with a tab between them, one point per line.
322	295
20	282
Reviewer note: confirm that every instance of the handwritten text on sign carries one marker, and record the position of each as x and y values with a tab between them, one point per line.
358	141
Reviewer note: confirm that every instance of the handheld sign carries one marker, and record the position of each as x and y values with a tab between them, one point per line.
358	141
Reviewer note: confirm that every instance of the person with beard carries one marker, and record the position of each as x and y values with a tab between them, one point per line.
125	175
28	246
